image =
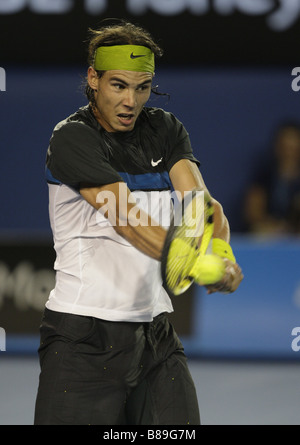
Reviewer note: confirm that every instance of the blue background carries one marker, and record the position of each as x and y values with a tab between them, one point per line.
231	114
257	320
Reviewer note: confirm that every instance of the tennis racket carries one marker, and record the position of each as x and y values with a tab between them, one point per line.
188	237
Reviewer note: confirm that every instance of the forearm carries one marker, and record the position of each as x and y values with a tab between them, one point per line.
185	176
116	203
221	224
149	238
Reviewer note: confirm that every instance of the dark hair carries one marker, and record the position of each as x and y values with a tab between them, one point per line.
123	33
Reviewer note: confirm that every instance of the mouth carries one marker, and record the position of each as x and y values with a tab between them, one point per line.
126	119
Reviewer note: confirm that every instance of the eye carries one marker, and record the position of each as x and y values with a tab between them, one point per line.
143	87
119	86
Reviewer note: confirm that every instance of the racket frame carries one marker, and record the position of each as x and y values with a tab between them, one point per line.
201	246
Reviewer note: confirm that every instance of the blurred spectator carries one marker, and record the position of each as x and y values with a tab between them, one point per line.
272	202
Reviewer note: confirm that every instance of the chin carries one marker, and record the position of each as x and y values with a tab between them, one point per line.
124	129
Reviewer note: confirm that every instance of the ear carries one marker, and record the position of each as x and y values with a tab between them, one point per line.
92	78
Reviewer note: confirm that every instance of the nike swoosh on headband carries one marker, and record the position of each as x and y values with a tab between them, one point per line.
132	56
124	57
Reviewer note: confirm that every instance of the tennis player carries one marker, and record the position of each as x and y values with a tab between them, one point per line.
108	354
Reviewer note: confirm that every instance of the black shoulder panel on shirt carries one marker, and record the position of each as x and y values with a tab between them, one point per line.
82	152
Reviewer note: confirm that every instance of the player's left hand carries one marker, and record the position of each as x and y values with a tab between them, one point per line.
231	280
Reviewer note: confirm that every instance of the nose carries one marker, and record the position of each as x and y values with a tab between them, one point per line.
130	98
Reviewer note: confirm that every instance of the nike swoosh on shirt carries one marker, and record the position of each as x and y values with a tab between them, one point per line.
132	56
155	163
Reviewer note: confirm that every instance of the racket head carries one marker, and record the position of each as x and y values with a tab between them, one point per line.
189	235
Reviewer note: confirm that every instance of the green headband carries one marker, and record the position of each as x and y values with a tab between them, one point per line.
124	57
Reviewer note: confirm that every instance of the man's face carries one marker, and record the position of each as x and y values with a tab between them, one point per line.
120	96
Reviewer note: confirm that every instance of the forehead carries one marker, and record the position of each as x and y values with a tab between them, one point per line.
130	77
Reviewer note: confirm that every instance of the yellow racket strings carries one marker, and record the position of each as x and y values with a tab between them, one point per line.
190	230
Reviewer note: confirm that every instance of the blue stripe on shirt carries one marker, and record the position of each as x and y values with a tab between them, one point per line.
51	178
145	181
